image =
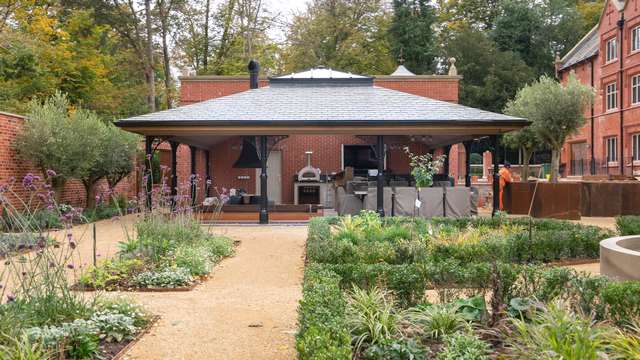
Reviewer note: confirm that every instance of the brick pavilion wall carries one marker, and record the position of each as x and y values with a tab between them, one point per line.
13	167
327	149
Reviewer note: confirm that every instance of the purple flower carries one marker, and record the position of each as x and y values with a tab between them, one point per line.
70	266
51	173
72	245
11	298
148	156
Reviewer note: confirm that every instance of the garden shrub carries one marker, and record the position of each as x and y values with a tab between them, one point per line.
111	274
621	301
164	278
322	333
628	225
396	349
462	346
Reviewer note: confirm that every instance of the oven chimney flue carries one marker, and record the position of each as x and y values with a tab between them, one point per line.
254	70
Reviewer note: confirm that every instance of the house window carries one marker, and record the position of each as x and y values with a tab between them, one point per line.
612	49
635	147
612	149
612	96
635	89
635	38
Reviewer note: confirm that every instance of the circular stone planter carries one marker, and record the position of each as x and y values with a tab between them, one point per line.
620	257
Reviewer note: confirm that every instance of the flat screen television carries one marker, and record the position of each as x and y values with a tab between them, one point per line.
360	157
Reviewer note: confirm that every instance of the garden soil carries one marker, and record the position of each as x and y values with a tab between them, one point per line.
247	309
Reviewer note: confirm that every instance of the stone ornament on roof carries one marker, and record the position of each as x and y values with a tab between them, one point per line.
453	71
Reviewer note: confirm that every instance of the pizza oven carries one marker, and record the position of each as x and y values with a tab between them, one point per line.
309	173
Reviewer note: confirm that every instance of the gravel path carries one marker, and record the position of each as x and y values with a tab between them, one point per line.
247	310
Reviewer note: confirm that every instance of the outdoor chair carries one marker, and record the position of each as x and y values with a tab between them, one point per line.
456	202
431	202
406	201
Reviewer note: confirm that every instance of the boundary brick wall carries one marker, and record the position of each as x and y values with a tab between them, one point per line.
13	167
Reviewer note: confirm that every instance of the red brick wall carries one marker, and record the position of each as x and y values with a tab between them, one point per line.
12	167
436	87
607	123
327	149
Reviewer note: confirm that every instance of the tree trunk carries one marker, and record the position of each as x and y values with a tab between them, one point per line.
555	164
150	71
90	191
526	159
167	65
205	59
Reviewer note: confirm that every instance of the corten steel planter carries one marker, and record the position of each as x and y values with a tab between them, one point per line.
559	201
620	257
610	198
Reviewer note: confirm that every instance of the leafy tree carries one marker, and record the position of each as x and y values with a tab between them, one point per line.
491	77
412	34
347	35
59	138
556	110
114	160
525	140
63	49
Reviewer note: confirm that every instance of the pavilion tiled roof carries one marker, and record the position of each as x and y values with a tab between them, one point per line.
320	102
586	48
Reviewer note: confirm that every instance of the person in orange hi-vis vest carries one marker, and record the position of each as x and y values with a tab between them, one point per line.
505	179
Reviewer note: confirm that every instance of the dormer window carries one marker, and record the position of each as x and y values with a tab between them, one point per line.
612	49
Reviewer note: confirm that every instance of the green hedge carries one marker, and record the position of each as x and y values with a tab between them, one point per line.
322	334
400	243
628	225
591	294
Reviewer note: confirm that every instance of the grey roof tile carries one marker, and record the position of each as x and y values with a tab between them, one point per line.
320	104
587	47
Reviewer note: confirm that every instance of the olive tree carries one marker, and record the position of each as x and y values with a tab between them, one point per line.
59	140
114	161
526	140
556	111
72	143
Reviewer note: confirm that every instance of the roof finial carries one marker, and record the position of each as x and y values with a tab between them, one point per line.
401	58
453	71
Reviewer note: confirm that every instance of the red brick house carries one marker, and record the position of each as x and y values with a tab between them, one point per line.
607	58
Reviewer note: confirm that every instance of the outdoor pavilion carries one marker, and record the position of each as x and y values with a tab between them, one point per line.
320	102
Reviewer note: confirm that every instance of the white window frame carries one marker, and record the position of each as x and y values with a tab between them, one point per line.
611	146
611	99
635	38
611	49
635	147
635	89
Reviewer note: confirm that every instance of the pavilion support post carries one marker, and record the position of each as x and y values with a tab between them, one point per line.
192	179
380	177
496	176
148	169
467	163
207	161
447	162
174	171
264	201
